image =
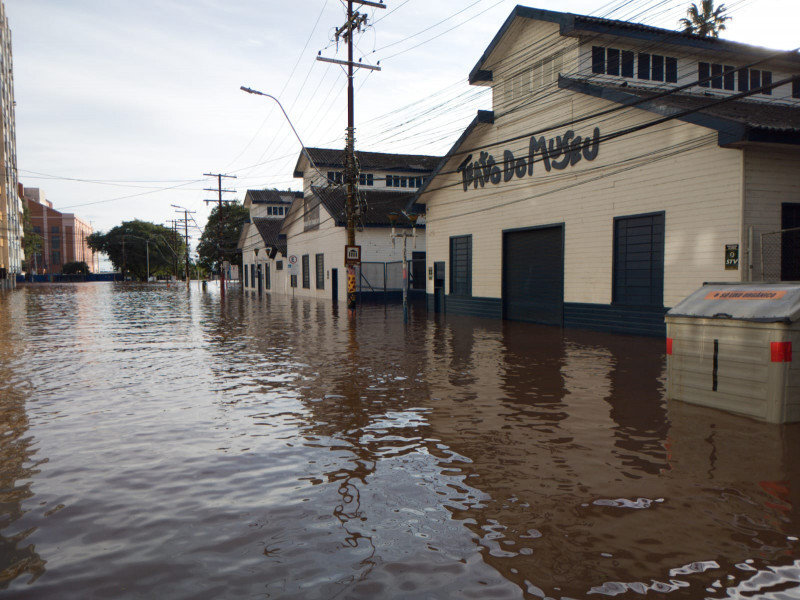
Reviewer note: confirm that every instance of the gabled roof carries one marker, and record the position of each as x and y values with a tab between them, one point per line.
736	120
369	161
379	206
574	25
272	196
270	231
483	117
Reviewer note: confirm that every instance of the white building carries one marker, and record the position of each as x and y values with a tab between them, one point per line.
316	233
263	247
622	166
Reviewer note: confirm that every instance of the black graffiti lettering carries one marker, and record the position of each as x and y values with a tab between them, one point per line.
494	170
592	147
508	165
522	166
563	147
538	145
478	169
465	168
575	151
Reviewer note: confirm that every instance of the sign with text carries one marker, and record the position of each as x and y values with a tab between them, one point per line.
731	257
746	295
352	255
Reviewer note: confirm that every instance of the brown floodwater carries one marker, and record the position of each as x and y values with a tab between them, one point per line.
155	444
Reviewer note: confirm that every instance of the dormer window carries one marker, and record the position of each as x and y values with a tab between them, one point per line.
724	77
652	67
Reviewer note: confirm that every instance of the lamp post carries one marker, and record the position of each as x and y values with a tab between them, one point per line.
405	235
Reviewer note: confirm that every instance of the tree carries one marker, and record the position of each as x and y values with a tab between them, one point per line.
31	242
127	246
221	235
705	20
75	268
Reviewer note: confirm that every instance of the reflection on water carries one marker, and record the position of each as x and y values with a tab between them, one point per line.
159	444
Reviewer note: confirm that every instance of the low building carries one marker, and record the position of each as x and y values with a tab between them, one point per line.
622	166
261	243
316	227
63	236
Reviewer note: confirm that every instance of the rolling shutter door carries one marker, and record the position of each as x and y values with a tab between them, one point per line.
533	275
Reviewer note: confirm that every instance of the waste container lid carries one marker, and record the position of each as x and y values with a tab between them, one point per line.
760	302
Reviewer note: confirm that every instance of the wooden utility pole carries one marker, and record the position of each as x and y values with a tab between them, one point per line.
355	20
220	201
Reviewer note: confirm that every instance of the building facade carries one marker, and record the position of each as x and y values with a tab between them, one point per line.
261	243
63	236
316	226
621	166
11	208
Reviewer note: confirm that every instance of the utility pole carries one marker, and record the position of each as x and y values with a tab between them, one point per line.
354	22
123	258
220	191
185	220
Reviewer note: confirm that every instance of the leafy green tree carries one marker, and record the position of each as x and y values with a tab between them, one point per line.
705	20
127	246
31	242
221	236
75	268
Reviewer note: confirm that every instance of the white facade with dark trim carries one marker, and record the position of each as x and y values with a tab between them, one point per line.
316	233
620	168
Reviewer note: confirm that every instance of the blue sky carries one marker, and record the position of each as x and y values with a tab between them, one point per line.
122	106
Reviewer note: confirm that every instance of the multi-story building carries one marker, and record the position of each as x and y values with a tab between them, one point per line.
622	166
10	202
316	226
263	247
63	236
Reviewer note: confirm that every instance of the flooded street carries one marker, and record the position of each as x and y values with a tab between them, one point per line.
159	444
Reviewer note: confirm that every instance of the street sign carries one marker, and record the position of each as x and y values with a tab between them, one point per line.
293	259
731	257
352	255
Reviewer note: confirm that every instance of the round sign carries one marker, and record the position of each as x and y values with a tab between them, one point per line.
293	259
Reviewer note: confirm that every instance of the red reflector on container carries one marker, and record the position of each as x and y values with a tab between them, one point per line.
781	351
669	346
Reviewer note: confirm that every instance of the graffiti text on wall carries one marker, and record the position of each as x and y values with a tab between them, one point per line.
556	153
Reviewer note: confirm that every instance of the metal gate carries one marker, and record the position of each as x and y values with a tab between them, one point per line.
533	275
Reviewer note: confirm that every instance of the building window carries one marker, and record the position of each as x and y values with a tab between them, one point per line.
766	81
598	60
657	67
644	66
612	61
367	179
279	265
37	229
671	69
253	275
54	229
55	241
627	63
320	271
306	274
795	94
245	277
267	282
55	257
461	265
335	177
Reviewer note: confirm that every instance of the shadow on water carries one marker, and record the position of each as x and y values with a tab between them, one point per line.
281	448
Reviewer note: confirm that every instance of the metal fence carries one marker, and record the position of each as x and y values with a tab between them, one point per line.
383	277
780	255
